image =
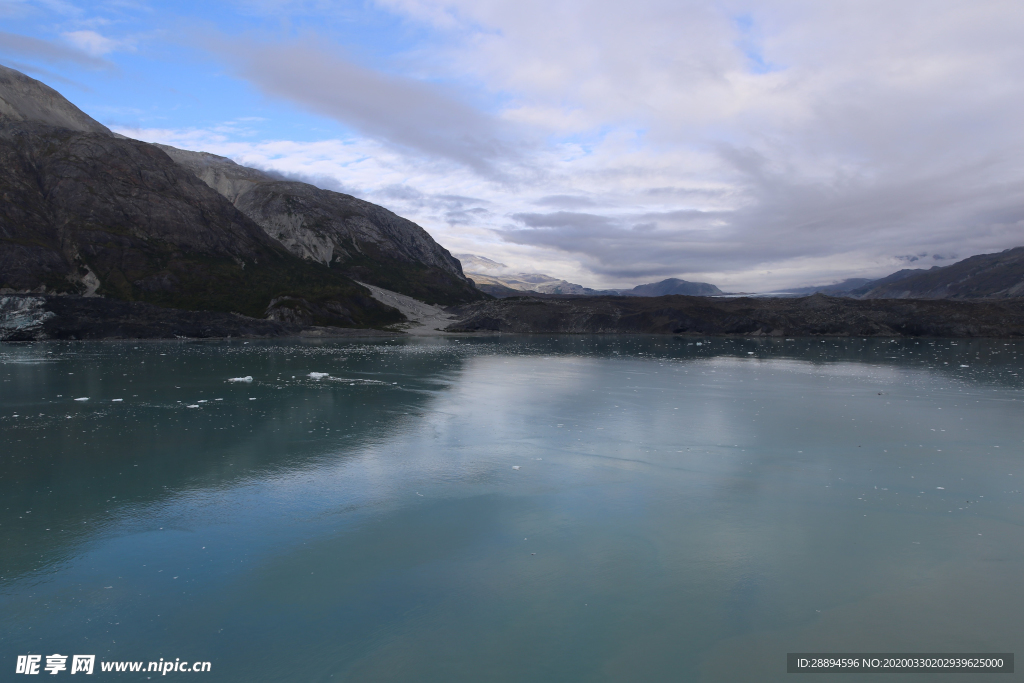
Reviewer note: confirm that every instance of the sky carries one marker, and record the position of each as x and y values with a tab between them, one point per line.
753	145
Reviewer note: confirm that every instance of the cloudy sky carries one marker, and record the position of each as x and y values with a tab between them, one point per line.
755	145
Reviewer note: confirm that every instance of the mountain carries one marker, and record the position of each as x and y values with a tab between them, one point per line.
673	286
859	291
480	264
26	100
986	276
835	289
514	284
356	238
88	212
498	280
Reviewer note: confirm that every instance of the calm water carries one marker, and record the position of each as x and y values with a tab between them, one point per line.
680	512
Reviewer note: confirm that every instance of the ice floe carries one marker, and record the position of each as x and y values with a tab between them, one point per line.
247	378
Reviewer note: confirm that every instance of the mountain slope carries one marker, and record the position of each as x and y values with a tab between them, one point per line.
84	211
351	236
986	276
26	99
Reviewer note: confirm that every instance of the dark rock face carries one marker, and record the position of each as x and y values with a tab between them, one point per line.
810	316
84	211
362	240
986	276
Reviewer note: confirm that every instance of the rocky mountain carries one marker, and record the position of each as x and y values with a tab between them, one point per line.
26	100
986	276
835	289
534	282
85	211
351	236
88	212
498	280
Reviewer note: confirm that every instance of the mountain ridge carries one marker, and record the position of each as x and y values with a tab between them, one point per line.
362	240
89	212
502	283
94	213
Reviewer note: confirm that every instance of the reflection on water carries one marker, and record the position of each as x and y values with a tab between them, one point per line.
510	508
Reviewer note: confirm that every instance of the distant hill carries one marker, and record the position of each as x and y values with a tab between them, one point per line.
986	276
673	286
498	280
835	289
859	292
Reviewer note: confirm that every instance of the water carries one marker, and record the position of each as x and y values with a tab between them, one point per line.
680	512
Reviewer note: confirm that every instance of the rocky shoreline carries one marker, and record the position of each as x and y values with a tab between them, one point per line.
817	315
37	317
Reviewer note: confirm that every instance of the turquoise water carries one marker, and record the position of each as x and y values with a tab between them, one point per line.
680	512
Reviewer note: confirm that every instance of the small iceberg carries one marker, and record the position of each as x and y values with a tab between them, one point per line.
194	405
318	375
247	378
515	467
116	400
84	398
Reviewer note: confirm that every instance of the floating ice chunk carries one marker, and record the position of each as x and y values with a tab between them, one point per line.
515	467
318	375
965	366
941	488
194	405
84	398
247	378
116	400
252	399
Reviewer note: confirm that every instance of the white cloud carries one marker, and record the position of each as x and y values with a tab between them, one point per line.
753	145
91	42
